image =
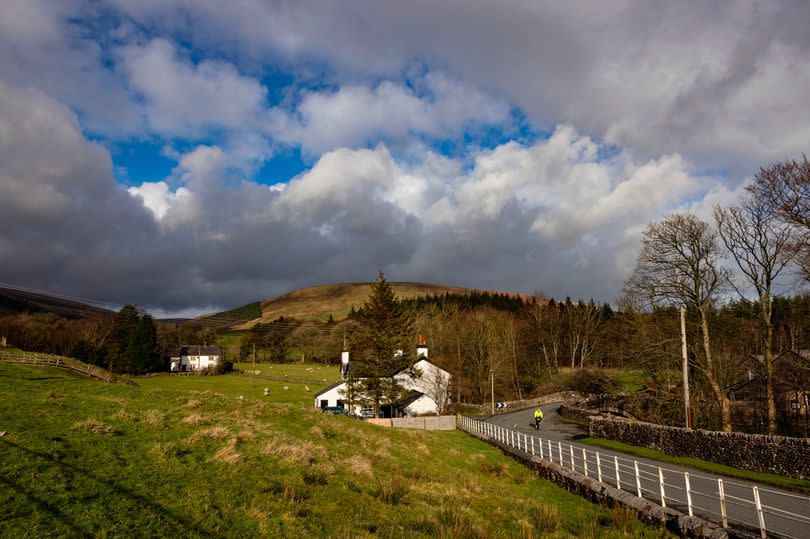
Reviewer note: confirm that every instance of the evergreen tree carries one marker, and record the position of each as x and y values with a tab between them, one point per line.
385	330
143	347
123	327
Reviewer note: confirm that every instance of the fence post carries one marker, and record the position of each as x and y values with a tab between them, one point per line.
616	463
559	448
540	443
585	462
689	493
533	446
722	493
661	482
598	467
550	453
760	516
638	479
571	450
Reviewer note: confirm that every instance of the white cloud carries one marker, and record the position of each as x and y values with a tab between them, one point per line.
157	197
184	99
355	115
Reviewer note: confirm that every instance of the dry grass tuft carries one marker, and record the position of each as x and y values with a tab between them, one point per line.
123	415
229	454
155	419
423	449
94	426
193	403
245	435
212	433
316	431
360	465
305	452
543	519
193	419
622	518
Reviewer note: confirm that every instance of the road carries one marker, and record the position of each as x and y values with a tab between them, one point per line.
785	514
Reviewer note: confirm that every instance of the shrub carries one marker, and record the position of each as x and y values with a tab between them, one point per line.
592	381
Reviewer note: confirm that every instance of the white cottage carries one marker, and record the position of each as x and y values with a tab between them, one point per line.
429	387
195	358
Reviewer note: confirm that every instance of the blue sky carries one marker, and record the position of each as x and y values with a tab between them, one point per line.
204	154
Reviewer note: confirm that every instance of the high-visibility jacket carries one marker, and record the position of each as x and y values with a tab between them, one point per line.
538	414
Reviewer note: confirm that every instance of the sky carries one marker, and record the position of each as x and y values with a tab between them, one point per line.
191	155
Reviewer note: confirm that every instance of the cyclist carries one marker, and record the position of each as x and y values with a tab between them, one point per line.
538	417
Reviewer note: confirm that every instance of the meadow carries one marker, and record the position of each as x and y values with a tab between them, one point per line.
211	456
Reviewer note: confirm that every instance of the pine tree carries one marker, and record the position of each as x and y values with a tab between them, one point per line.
385	330
143	347
123	327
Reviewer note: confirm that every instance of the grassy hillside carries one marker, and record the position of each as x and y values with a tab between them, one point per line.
14	300
319	302
177	456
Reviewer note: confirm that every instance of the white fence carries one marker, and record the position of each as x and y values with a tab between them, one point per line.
766	512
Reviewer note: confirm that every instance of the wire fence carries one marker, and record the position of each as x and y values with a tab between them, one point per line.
731	504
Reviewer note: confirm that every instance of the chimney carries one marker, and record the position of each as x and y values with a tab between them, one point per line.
421	348
344	363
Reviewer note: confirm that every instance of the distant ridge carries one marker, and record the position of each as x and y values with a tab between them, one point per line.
322	301
15	300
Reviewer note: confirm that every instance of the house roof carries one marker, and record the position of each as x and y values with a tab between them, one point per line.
412	398
200	350
328	388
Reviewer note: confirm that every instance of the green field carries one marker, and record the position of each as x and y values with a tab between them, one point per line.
210	456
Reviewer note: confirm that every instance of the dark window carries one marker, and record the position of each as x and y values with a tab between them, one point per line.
324	403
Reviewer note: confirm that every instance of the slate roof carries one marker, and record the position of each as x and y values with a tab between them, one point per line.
199	350
328	388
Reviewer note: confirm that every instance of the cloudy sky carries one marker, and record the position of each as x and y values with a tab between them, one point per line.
187	155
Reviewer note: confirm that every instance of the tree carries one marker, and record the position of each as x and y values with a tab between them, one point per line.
680	263
784	189
126	320
385	330
143	347
759	243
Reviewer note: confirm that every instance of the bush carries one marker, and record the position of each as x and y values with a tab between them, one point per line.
592	381
222	367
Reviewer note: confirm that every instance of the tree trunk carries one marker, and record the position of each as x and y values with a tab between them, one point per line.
722	399
769	390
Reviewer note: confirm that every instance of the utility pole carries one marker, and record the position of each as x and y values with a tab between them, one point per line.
254	363
687	408
492	381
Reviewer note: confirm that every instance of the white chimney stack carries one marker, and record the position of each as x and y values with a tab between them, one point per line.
421	348
344	363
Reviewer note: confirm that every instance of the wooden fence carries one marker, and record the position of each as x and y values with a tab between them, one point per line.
60	362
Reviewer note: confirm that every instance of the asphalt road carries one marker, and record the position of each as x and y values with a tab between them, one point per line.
785	514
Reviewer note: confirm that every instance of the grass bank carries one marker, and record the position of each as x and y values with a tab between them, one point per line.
188	456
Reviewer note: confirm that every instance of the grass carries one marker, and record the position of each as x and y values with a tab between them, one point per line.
202	456
789	483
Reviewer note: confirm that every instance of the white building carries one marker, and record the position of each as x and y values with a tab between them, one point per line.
429	387
195	358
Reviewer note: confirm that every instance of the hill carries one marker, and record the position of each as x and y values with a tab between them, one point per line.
319	302
19	300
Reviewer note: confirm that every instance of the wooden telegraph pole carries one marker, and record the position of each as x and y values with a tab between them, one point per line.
687	408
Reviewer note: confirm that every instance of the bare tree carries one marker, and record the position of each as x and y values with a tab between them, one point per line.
760	244
784	188
680	263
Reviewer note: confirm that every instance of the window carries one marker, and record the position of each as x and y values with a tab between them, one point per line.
340	403
324	403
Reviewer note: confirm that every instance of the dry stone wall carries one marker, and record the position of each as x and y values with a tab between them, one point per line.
758	452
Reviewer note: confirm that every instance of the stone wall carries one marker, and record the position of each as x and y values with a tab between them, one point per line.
758	452
569	411
513	406
441	422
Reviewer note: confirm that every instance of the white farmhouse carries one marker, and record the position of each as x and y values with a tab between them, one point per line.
429	387
196	358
